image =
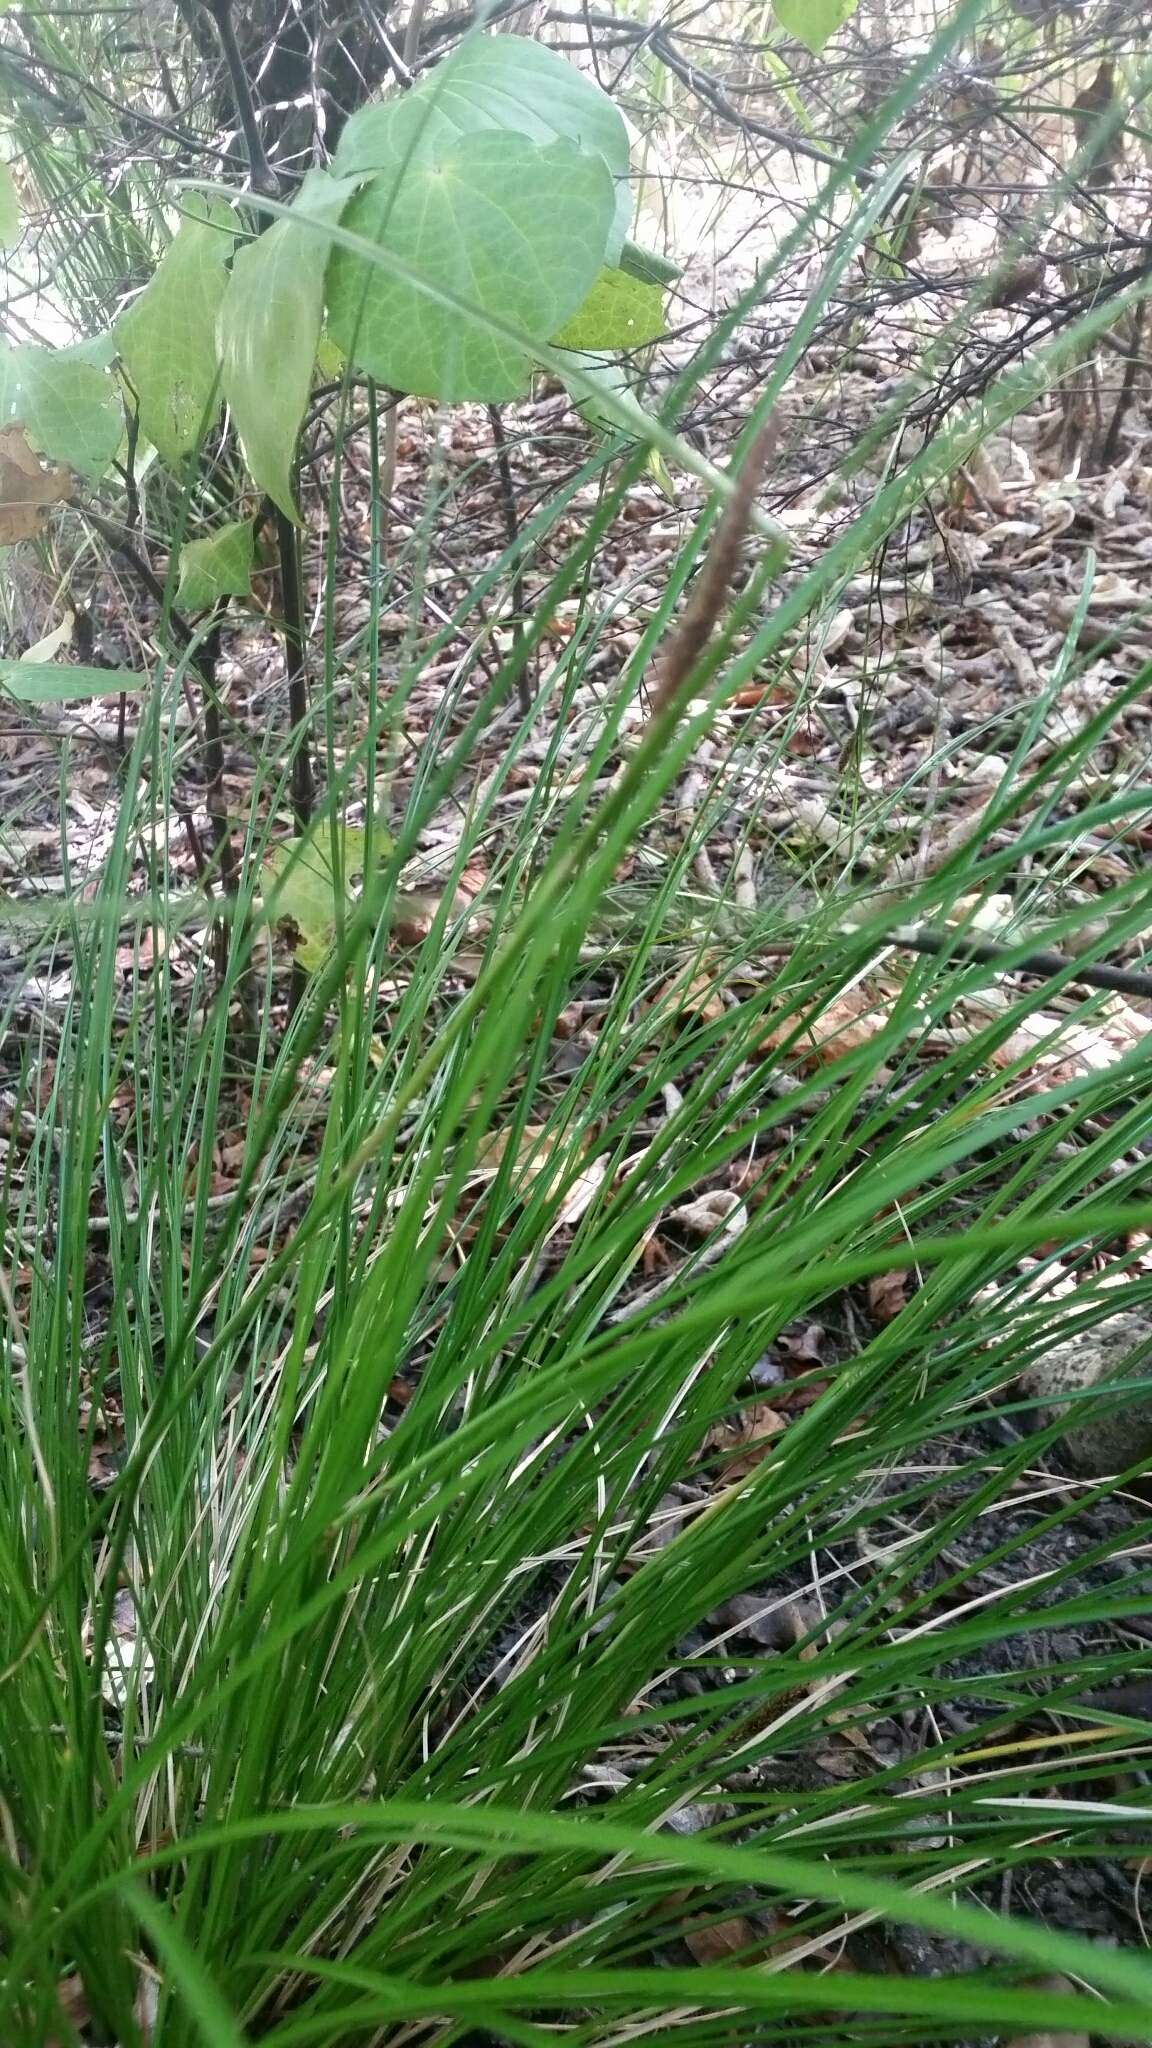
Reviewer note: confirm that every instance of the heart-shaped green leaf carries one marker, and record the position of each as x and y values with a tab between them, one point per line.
218	566
620	312
269	331
518	230
303	885
70	410
168	337
813	22
508	83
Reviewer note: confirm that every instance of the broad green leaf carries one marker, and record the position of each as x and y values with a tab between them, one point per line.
508	83
302	885
101	349
218	566
812	22
44	683
646	263
9	208
168	337
70	410
517	229
269	332
620	312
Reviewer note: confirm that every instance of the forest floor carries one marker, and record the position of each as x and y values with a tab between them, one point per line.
884	732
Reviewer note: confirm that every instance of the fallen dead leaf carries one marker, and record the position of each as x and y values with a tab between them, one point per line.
802	1343
27	487
536	1156
73	2003
744	1440
721	1940
692	994
582	1193
1069	1049
843	1026
718	1209
887	1295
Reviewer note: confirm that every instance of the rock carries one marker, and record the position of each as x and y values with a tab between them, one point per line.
1108	1436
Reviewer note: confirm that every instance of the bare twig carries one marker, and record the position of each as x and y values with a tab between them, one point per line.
1127	981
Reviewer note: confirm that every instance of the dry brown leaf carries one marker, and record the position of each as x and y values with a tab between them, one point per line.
887	1295
73	2003
848	1022
27	487
697	995
492	1150
720	1940
745	1440
717	1209
535	1155
802	1343
1069	1049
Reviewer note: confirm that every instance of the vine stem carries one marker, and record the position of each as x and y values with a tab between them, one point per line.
524	689
264	178
303	778
292	611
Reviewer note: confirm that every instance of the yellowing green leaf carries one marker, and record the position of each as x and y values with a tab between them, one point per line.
620	312
302	883
517	230
167	338
813	22
329	358
658	470
269	330
52	644
218	566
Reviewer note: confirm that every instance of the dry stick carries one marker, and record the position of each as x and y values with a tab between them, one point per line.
303	780
524	682
1044	966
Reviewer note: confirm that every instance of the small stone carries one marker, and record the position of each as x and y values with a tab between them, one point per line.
1111	1436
